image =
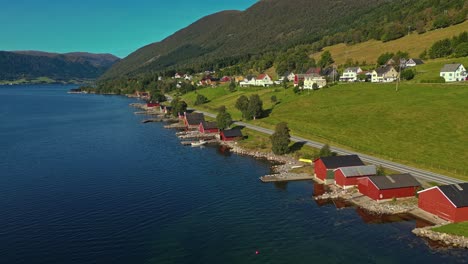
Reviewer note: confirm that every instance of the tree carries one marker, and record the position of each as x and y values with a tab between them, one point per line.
255	107
232	86
325	59
285	83
325	151
201	99
423	55
280	139
223	119
315	86
242	104
381	171
383	58
440	49
461	50
178	106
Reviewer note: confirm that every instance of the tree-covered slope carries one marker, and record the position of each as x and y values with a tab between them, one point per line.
33	64
225	38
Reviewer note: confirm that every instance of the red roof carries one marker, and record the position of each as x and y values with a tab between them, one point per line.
314	70
261	76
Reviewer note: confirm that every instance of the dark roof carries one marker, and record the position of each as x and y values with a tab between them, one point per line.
394	181
458	196
450	67
209	125
194	119
314	70
235	132
417	61
384	69
341	161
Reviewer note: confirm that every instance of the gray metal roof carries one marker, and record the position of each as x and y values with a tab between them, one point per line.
394	181
358	171
450	67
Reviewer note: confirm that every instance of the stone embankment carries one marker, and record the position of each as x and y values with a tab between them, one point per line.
447	239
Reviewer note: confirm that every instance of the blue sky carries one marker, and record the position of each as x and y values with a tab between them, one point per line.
99	26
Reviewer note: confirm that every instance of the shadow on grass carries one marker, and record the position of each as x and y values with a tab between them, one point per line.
297	146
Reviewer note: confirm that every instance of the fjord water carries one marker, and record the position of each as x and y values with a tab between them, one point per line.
83	181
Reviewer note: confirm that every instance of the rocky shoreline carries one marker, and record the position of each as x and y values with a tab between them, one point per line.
447	239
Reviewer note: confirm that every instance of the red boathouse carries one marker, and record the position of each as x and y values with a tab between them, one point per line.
208	127
347	177
388	187
231	134
449	202
325	166
192	120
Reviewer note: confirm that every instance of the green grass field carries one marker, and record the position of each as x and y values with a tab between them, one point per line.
369	51
460	229
423	125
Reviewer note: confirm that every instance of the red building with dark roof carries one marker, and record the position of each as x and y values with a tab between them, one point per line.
389	187
231	134
325	166
449	202
208	127
193	120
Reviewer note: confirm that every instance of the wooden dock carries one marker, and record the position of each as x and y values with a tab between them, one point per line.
286	177
152	120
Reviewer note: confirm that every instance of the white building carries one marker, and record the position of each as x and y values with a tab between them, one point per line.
384	74
350	74
311	79
453	72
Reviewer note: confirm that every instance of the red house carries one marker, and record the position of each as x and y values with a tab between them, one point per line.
347	177
449	202
208	127
231	134
193	120
225	79
388	187
325	166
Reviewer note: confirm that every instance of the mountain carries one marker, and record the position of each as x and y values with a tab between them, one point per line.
16	65
227	37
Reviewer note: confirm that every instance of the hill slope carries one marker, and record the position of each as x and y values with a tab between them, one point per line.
225	38
34	64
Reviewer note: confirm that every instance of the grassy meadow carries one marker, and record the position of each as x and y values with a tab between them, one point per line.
423	125
369	51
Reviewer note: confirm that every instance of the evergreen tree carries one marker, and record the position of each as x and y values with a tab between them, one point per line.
325	59
201	99
232	86
178	106
280	139
325	151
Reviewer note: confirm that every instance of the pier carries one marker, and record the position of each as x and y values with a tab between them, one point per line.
284	177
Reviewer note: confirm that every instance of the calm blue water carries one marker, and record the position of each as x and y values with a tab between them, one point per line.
83	181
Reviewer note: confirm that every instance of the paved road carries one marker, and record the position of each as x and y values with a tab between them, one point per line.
422	174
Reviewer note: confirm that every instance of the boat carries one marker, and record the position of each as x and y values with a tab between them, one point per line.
199	143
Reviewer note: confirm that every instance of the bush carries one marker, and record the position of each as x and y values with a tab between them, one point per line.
407	74
201	99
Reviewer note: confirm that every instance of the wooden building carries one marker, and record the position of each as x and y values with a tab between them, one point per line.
388	187
449	202
231	134
325	166
347	177
208	127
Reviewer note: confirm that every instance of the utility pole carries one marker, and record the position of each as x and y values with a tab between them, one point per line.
397	81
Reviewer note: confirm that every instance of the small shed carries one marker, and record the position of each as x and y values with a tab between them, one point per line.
347	177
208	127
325	166
231	134
449	202
388	187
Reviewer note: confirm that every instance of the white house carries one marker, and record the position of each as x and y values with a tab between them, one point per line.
311	79
384	74
178	75
263	80
248	81
413	62
188	77
453	72
351	74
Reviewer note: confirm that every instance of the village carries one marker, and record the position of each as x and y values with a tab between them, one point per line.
316	77
345	177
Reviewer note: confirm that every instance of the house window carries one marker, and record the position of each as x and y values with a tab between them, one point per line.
450	74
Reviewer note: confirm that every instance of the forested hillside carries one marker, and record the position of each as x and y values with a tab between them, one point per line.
274	26
34	64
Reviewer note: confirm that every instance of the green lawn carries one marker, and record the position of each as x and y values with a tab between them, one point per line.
460	229
423	125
